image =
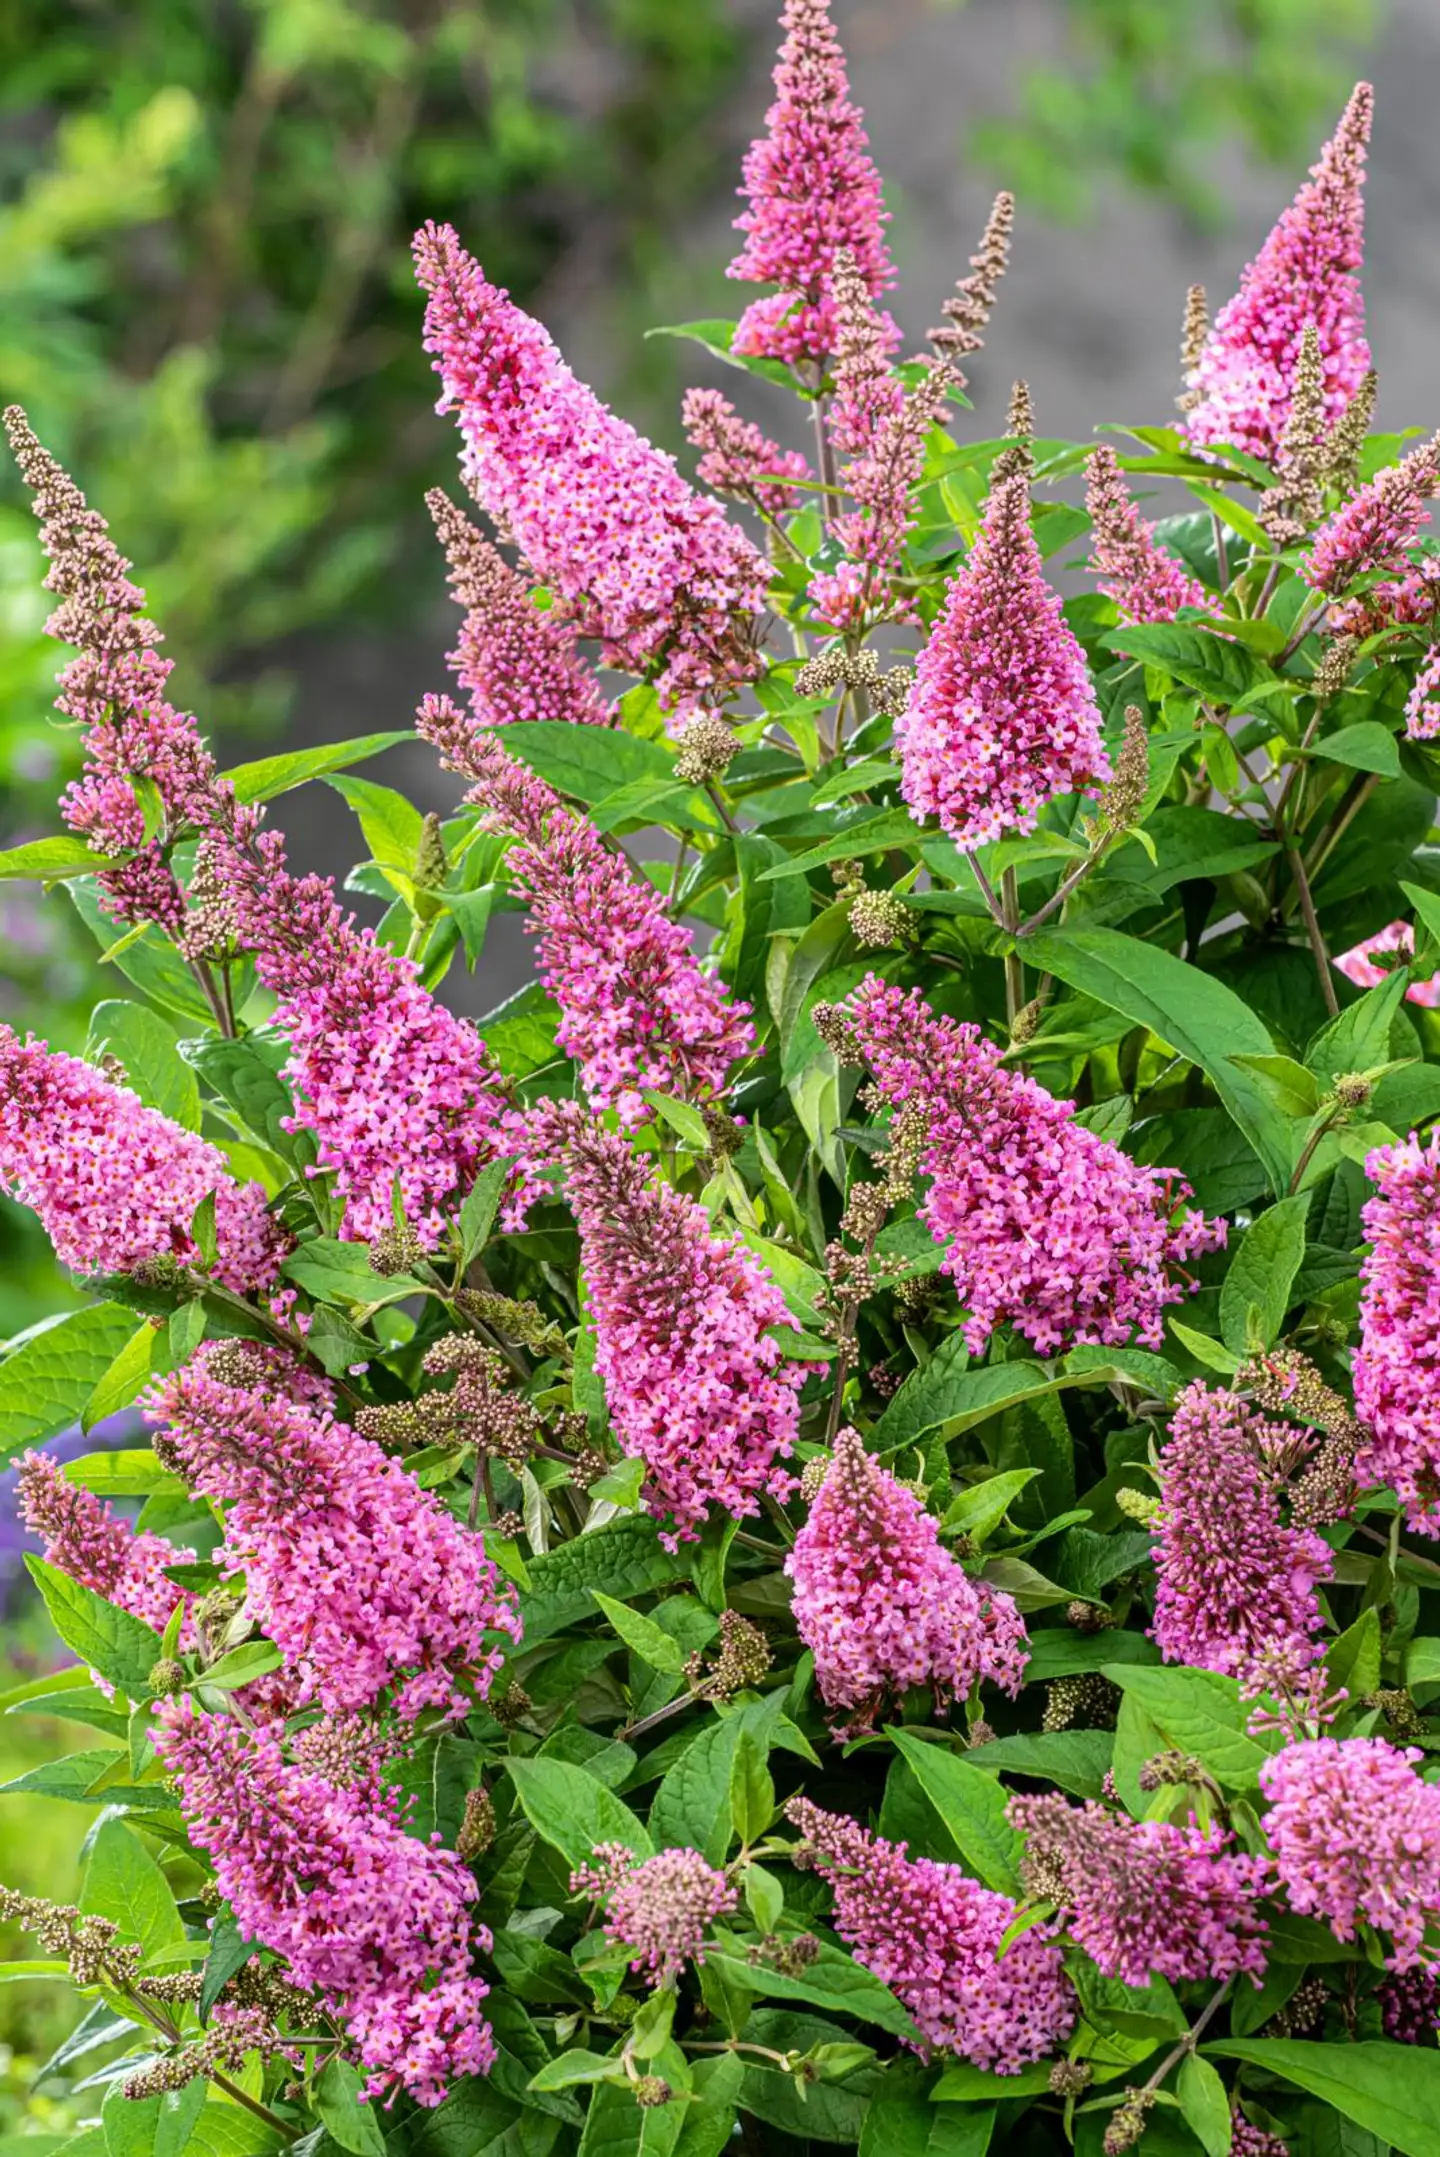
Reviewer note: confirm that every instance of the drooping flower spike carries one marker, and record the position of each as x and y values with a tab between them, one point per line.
87	1539
1375	527
1306	272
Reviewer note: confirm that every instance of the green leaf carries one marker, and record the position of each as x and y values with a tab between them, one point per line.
186	1331
1191	843
692	1804
623	1558
119	1385
1366	746
1261	1272
146	1045
1205	2104
350	2123
1200	1712
392	826
982	1506
1289	1085
1217	668
123	1882
615	2126
573	1810
241	1666
833	1981
118	1646
246	1074
80	1704
904	2122
648	1640
590	763
1076	1760
875	835
155	967
1196	1014
573	2069
1204	1349
48	861
1353	1661
972	1806
51	1372
1393	2090
268	776
229	1952
74	1777
482	1203
752	1791
337	1272
1359	1040
151	2126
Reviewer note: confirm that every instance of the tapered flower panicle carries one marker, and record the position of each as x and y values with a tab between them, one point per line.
115	1183
737	458
516	662
87	1540
1397	1365
882	1605
366	1583
1002	718
396	1089
1377	525
636	1009
1048	1227
696	1387
1132	568
967	312
1144	1898
933	1935
1234	1580
812	189
1355	1835
1307	271
369	1917
632	553
1422	706
659	1908
115	689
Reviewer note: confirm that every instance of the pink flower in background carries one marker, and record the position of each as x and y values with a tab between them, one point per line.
1002	717
1373	530
364	1581
1397	1365
1233	1579
1397	940
696	1387
933	1935
1307	271
374	1920
883	1605
659	1907
1144	1898
1146	583
1355	1835
637	1011
1047	1227
396	1089
517	662
86	1539
115	1183
1422	706
634	554
737	458
812	189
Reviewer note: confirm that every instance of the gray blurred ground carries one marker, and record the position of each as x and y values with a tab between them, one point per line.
1089	315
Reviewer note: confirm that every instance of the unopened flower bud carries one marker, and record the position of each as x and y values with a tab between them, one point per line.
1171	1769
1069	2077
431	867
1128	2123
1088	1617
878	918
707	748
167	1676
477	1826
812	1475
396	1250
1353	1089
1138	1505
652	2090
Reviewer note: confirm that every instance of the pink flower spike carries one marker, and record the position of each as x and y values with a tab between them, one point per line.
1307	271
1003	717
372	1919
1396	1364
736	458
1397	939
1132	568
660	1907
1356	1839
517	662
1234	1580
115	1183
883	1605
696	1387
1376	526
1422	706
933	1935
87	1540
633	554
812	189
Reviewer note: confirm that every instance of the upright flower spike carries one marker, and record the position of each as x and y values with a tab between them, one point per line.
967	312
87	1539
934	1936
115	689
1376	526
636	1009
1002	717
373	1920
1047	1227
1397	1365
1355	1836
116	1184
660	1908
1307	271
696	1387
516	663
1145	1898
812	189
736	458
1132	568
395	1088
1234	1580
635	556
369	1587
1422	706
883	1605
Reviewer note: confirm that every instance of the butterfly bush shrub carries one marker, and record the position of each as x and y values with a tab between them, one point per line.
822	1532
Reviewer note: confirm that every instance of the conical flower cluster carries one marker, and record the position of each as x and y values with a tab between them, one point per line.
1131	566
87	1539
1355	1836
1397	1365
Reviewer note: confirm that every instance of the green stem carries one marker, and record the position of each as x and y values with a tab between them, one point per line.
1014	964
1313	929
